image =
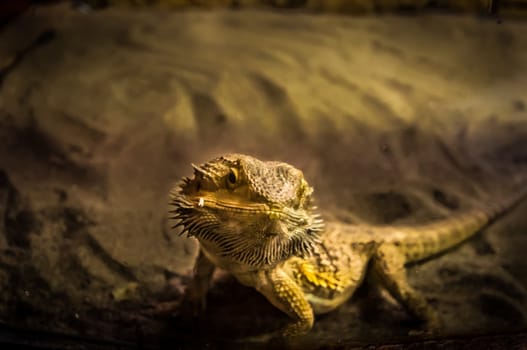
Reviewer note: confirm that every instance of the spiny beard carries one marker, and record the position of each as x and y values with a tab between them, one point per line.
257	252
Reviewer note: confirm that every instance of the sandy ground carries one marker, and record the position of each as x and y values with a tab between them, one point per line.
392	120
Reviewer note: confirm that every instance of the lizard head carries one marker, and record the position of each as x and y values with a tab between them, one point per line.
249	211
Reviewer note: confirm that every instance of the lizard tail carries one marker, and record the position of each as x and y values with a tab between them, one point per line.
424	241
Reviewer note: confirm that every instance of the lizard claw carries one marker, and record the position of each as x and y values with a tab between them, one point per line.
432	327
194	303
296	329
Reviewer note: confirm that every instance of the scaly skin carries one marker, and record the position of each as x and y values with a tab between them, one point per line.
256	220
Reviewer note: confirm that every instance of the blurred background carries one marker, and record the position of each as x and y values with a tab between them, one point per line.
509	8
397	112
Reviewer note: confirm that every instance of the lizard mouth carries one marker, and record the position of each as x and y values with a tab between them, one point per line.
212	202
237	207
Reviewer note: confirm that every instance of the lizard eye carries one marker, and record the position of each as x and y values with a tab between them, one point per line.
232	178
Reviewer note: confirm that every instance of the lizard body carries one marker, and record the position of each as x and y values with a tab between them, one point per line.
257	220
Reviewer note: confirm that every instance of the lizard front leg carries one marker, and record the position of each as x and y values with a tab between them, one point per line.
389	265
196	293
284	293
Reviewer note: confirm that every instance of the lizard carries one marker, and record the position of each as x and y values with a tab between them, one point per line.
258	220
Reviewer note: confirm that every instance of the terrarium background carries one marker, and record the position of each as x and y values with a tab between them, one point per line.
394	118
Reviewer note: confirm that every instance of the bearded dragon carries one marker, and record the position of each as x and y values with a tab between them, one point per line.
257	220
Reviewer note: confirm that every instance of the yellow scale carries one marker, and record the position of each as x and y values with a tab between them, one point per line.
325	279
